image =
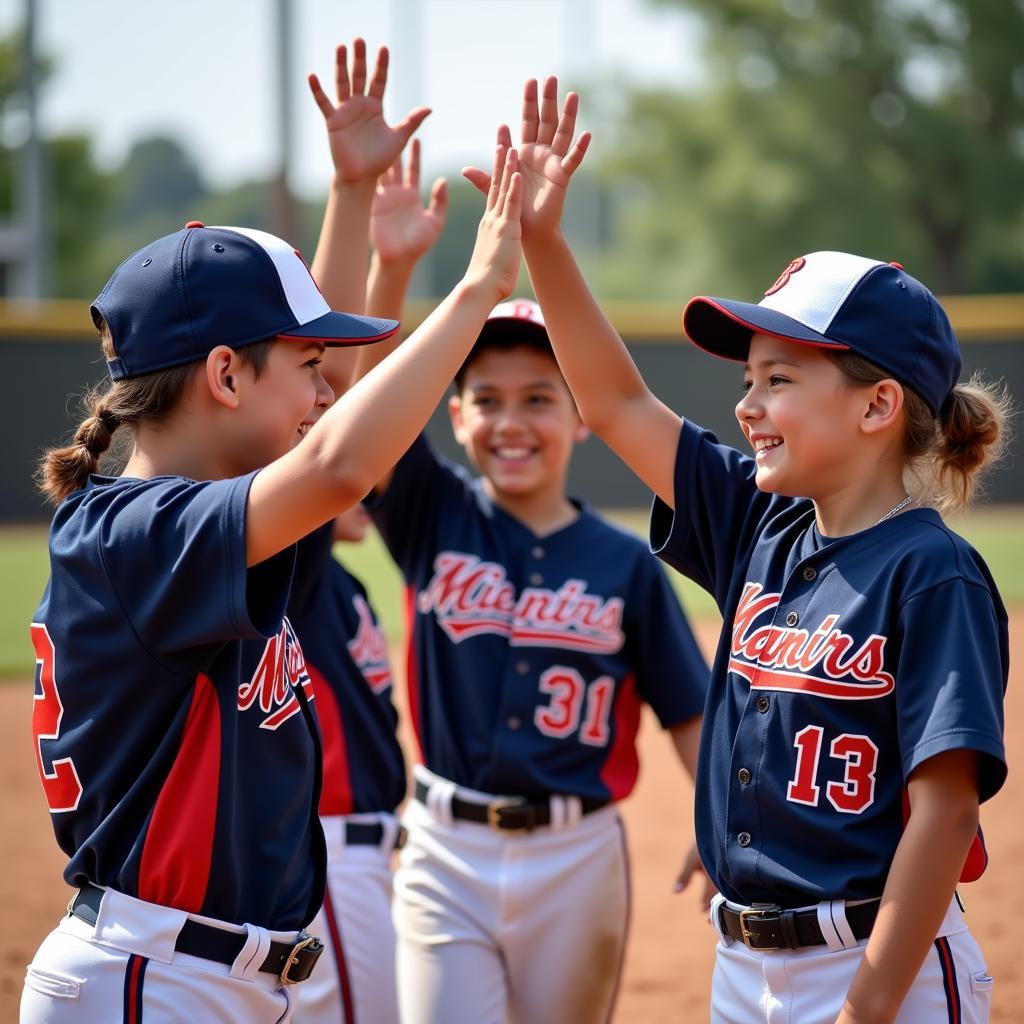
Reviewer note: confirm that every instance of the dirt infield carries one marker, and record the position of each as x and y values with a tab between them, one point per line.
670	954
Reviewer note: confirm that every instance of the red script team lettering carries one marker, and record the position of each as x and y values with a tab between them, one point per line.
470	597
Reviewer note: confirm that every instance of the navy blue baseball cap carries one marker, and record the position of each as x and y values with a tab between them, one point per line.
834	300
181	296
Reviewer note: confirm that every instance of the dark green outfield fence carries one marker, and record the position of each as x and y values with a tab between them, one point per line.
49	354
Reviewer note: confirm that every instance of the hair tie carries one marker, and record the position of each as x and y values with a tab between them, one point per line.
110	420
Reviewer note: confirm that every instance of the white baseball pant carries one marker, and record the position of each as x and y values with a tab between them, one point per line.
124	970
497	926
808	986
354	980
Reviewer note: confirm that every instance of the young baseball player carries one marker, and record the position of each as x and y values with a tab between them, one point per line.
864	657
346	652
175	737
536	632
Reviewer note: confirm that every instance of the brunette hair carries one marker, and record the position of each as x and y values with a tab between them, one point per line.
120	403
948	454
503	336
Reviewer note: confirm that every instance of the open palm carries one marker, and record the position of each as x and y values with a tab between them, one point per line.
363	144
400	228
548	157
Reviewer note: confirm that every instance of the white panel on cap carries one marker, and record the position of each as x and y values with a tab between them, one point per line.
300	290
814	293
518	309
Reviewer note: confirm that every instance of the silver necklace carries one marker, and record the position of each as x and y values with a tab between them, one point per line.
896	508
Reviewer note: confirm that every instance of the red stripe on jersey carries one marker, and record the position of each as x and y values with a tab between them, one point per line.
622	766
412	675
175	865
336	795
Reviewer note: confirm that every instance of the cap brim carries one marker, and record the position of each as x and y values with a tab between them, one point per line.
506	325
724	327
343	329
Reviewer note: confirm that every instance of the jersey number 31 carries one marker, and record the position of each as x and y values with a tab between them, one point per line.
61	785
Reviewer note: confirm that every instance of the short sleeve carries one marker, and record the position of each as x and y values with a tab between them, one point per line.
405	514
174	552
311	561
671	673
718	511
951	678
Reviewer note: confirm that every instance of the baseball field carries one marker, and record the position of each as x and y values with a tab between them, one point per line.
670	954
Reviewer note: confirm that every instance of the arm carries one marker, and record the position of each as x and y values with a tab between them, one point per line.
611	395
365	432
402	232
362	146
921	882
686	740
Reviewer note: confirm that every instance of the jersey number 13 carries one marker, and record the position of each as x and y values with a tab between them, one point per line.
855	792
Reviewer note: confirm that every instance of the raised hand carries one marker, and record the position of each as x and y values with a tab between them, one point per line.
498	250
548	157
400	228
363	145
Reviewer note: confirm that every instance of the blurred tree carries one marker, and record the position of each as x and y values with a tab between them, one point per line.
78	188
889	127
157	178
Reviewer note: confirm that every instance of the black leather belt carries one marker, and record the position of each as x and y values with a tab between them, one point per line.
291	962
370	833
506	815
766	926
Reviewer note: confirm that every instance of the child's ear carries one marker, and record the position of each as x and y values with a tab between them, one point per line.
455	413
885	405
581	432
222	376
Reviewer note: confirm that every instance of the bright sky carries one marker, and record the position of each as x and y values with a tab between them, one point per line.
194	69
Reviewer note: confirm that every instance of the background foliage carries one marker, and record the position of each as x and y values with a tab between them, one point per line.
894	128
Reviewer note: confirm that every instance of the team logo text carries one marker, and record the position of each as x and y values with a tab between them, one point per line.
470	597
825	661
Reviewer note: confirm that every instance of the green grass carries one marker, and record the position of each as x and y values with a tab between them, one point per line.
998	533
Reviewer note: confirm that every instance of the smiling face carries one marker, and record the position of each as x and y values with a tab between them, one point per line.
516	420
281	403
802	418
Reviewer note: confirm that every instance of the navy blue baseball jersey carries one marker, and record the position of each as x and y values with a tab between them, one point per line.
347	659
844	664
176	741
529	656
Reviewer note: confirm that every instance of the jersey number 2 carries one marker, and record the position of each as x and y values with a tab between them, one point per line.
61	785
561	716
855	792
